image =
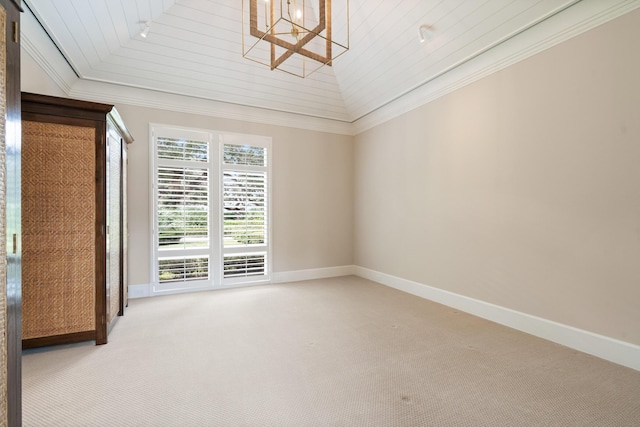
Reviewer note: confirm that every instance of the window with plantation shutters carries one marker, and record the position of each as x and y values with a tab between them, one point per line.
210	211
244	199
183	223
183	205
183	201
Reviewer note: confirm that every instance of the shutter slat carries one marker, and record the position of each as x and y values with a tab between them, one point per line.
244	208
244	265
182	269
180	149
183	206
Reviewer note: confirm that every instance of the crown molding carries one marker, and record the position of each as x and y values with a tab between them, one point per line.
561	26
114	93
36	42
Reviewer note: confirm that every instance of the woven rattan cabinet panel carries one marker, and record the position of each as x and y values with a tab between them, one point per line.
58	229
71	221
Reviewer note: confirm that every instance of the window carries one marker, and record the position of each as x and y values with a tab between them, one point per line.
244	198
210	209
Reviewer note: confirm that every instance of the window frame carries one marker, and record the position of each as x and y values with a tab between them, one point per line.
254	141
215	166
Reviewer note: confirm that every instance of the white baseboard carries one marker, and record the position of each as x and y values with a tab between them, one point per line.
316	273
607	348
145	290
139	291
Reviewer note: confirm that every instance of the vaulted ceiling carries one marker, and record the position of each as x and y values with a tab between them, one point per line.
194	48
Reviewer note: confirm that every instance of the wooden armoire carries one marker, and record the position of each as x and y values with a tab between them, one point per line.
74	157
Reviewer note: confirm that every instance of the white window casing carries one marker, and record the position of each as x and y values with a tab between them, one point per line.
211	209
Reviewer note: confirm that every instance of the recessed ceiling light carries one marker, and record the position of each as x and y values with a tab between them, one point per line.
426	32
145	31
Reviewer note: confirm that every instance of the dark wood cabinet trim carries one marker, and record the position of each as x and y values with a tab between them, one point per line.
34	116
58	339
102	300
64	106
18	5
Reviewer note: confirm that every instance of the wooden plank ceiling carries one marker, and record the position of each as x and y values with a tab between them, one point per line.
194	48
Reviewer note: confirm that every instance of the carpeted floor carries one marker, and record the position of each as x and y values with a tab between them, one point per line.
334	352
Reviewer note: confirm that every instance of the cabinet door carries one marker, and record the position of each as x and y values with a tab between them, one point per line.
125	230
59	216
114	223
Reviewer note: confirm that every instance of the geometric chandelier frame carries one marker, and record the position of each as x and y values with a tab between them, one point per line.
295	36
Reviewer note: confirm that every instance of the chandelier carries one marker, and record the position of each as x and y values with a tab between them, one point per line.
295	36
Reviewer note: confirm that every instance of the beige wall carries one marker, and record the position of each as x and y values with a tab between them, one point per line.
312	191
521	190
34	79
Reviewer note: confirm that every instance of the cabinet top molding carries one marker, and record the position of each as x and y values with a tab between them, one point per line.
53	105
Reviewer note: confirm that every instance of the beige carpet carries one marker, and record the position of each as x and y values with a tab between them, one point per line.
334	352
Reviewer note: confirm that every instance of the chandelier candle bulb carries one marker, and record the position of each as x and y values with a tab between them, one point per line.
266	13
